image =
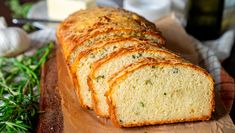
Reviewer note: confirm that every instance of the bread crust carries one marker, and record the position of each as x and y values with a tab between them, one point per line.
95	66
74	83
111	103
84	24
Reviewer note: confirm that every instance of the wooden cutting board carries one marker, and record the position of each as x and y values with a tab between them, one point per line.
62	112
51	119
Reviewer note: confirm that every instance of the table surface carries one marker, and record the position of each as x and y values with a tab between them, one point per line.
228	64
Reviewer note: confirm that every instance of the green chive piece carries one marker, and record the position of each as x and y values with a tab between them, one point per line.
148	82
142	104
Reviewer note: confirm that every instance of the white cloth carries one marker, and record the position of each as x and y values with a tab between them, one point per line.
223	45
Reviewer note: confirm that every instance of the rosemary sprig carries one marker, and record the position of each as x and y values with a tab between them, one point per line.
19	90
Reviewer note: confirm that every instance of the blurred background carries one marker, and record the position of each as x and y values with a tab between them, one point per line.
210	21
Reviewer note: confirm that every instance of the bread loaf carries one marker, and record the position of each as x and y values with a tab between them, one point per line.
121	69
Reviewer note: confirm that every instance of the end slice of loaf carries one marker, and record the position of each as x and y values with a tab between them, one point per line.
161	92
102	70
82	65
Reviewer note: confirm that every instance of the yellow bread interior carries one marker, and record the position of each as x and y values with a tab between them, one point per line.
158	93
138	63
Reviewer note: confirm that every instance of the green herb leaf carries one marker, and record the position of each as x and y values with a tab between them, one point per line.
148	82
18	9
142	104
137	56
99	77
175	70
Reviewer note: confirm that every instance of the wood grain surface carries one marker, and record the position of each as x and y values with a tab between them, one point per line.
51	117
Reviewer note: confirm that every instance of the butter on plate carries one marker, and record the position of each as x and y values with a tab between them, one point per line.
60	9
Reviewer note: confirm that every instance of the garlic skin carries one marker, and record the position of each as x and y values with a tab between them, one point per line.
13	41
3	23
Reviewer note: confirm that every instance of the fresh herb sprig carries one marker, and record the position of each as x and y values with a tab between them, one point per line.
19	9
19	90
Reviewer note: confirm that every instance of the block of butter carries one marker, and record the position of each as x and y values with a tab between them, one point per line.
60	9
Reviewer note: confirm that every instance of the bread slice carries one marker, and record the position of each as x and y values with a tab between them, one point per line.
161	92
86	23
102	70
101	38
81	66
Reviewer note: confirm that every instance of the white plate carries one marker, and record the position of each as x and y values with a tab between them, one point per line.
39	11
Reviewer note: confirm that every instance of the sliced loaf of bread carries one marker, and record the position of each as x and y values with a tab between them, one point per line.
161	92
82	65
102	70
121	69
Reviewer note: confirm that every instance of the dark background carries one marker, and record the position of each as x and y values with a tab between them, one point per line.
228	64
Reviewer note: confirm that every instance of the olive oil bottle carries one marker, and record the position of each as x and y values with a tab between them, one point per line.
204	18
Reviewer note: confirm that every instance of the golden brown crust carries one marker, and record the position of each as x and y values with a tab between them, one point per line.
86	23
112	105
95	66
77	88
78	92
94	99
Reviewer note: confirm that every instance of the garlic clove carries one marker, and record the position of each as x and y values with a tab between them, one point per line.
13	41
3	23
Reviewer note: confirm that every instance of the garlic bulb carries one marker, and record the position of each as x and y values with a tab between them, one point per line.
3	23
13	41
